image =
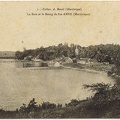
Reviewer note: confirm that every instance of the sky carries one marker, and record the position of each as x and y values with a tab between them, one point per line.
19	30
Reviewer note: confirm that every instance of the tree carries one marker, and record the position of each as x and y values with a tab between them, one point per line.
104	92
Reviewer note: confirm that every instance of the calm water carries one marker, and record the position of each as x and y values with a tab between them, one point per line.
19	85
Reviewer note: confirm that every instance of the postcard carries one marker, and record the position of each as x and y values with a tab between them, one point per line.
59	59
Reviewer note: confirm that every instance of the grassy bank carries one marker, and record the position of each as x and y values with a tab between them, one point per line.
85	109
100	67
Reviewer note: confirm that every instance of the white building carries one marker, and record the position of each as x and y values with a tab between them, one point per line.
57	64
76	51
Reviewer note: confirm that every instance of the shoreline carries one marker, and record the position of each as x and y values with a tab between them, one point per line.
87	70
115	76
66	67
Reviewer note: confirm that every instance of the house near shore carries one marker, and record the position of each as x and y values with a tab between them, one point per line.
26	63
37	60
51	63
29	58
29	61
67	60
57	64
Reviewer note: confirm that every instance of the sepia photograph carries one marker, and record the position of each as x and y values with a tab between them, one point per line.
59	59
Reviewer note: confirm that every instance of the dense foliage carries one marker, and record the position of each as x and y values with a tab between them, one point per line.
115	71
104	92
102	53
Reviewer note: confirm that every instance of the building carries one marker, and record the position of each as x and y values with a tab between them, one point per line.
76	51
57	64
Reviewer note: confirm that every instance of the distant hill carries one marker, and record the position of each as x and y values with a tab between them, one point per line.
7	54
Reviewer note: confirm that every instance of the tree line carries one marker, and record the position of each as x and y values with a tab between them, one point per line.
102	53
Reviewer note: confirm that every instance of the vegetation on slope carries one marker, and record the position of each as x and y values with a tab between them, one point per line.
102	53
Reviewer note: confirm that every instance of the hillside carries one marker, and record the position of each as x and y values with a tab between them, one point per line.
7	54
